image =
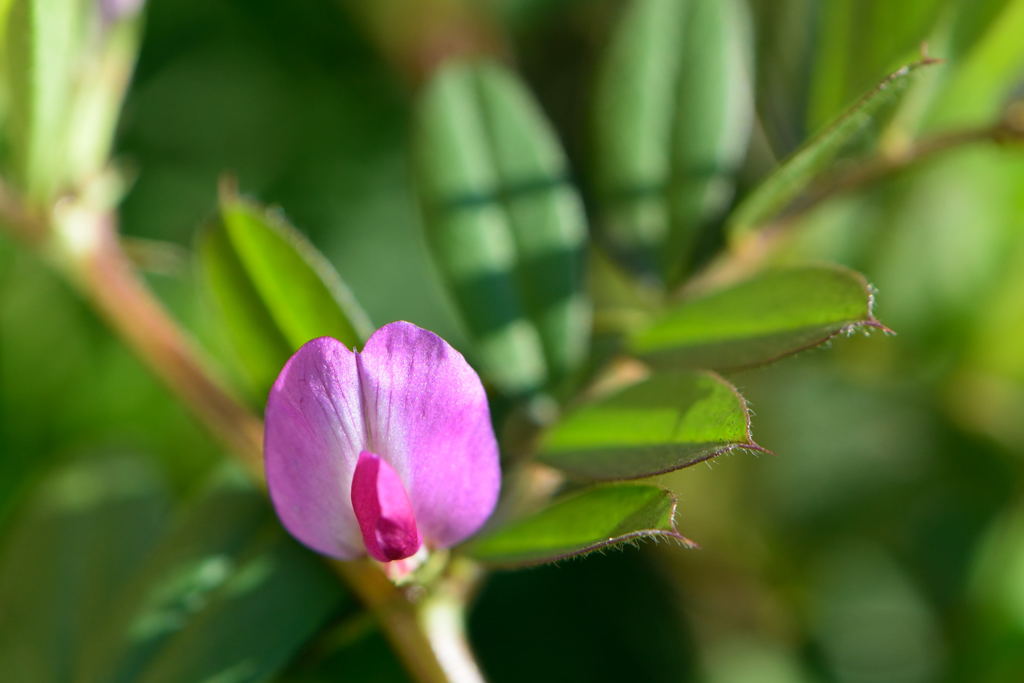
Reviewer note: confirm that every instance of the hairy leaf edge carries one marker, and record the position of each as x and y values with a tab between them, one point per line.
613	542
749	445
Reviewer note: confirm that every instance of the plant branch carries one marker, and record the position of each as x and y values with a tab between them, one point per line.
105	274
761	242
83	244
884	165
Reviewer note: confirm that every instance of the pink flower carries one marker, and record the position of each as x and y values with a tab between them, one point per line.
383	451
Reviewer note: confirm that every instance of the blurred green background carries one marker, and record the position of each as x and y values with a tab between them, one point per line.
885	540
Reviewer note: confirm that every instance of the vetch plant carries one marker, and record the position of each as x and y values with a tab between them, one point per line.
602	307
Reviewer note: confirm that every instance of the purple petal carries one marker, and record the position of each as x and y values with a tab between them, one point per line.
112	10
314	434
382	507
427	416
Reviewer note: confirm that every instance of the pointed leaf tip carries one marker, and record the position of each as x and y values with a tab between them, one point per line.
773	315
797	174
665	422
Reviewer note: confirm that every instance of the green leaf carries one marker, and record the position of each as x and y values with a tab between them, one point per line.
713	121
673	115
579	523
770	316
983	79
42	41
97	587
859	39
545	214
68	553
271	291
101	79
669	420
226	594
969	23
505	227
796	174
784	56
469	232
995	598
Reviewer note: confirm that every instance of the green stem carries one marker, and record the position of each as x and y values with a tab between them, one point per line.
427	630
443	619
105	275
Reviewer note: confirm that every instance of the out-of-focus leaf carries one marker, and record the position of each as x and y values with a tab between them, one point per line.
960	28
753	661
856	584
713	119
996	598
469	233
78	539
761	320
859	39
5	6
795	175
96	588
621	302
271	291
102	79
226	595
545	214
984	77
989	393
579	523
784	62
505	228
969	22
42	40
670	420
673	116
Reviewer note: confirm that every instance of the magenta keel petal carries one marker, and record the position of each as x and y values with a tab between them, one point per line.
382	507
